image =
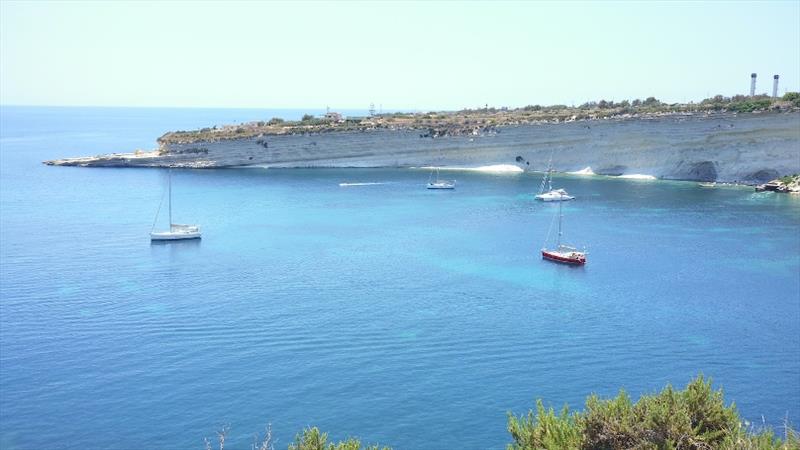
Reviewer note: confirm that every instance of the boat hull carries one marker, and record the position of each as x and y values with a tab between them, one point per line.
169	236
577	259
441	186
554	198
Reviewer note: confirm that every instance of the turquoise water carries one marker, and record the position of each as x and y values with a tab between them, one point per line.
387	311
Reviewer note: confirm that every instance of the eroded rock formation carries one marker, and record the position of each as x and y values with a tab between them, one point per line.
749	148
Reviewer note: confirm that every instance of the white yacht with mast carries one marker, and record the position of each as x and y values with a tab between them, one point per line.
176	231
551	195
440	184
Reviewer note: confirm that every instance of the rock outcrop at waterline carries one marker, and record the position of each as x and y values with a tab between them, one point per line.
789	184
749	148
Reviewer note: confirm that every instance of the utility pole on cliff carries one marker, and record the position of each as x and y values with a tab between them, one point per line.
371	109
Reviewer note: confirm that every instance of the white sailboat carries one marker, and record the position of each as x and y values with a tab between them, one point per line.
551	195
562	253
176	231
440	184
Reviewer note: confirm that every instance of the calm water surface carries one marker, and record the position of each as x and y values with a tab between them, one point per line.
387	311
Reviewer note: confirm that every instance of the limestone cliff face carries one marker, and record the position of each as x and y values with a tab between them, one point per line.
747	148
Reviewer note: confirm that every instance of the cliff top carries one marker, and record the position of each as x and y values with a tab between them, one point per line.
468	121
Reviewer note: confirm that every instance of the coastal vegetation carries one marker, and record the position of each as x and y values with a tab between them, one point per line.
488	119
793	97
695	418
310	439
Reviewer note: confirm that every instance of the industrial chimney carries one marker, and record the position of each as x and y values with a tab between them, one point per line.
775	86
752	84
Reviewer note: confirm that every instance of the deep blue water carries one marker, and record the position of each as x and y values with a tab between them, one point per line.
400	315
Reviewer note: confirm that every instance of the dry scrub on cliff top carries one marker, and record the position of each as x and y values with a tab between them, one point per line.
466	121
695	418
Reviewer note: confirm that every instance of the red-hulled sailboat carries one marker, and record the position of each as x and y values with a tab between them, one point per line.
563	253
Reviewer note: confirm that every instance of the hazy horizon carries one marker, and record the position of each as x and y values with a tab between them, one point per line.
363	108
399	56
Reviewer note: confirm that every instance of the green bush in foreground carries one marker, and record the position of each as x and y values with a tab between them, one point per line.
693	419
310	439
313	439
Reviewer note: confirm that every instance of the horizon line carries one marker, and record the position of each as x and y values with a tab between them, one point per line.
366	108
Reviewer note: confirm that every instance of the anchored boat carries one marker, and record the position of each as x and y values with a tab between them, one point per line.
546	191
440	184
554	195
562	253
176	231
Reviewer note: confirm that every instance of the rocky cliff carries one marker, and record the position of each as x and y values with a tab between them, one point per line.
748	148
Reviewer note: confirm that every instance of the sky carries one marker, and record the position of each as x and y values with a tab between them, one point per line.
399	56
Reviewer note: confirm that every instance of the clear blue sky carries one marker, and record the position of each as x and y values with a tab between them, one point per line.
405	55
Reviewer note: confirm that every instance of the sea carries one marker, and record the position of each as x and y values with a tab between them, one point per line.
357	301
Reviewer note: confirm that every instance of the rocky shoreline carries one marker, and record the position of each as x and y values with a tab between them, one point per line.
789	184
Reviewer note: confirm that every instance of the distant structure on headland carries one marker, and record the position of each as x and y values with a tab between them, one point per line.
775	86
334	116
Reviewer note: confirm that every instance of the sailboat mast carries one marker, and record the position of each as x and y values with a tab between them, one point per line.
169	176
550	172
547	178
559	224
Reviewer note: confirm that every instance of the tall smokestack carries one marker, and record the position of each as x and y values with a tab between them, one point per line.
752	84
775	86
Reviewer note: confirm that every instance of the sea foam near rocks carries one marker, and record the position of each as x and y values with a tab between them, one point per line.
585	171
494	168
637	176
